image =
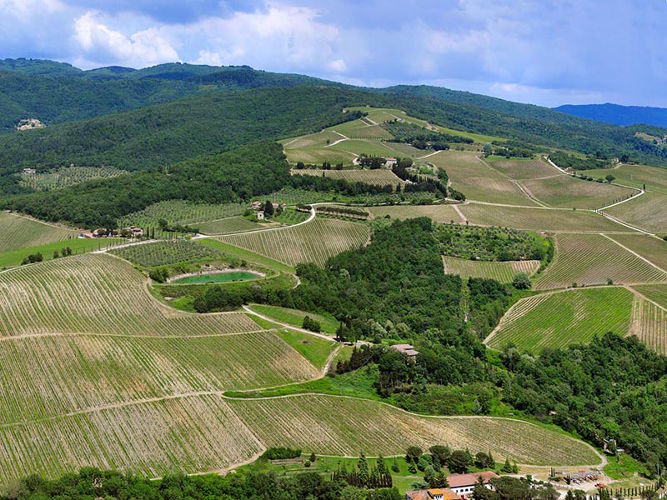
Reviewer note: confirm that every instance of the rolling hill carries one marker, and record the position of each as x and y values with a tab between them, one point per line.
617	114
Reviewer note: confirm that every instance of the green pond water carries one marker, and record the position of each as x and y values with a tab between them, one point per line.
217	278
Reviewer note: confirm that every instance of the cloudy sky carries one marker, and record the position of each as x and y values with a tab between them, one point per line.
547	52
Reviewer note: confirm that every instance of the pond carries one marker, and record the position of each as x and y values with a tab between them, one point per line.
219	277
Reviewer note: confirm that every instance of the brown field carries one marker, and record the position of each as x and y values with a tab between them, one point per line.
649	247
439	213
647	212
567	192
523	168
477	180
592	259
538	219
649	324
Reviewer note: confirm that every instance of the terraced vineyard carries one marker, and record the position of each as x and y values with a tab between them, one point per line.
191	434
379	177
566	191
590	259
500	271
75	372
649	324
315	241
314	423
477	180
97	293
563	318
164	252
181	212
538	219
67	176
21	232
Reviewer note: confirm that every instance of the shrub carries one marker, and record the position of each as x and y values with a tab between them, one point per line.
311	324
521	281
280	453
413	453
459	461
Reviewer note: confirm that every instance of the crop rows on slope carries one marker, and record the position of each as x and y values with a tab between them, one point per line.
180	212
379	177
67	176
96	293
228	225
648	212
656	293
590	259
500	271
194	434
347	426
164	252
315	241
54	375
649	324
21	232
560	319
566	191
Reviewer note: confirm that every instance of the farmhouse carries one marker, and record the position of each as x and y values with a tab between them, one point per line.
406	349
256	205
260	215
464	484
432	494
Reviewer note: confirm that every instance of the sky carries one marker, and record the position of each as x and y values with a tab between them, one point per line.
546	52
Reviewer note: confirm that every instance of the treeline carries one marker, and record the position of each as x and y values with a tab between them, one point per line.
220	178
418	182
422	138
565	161
92	483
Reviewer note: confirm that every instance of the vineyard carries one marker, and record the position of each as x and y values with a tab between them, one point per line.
563	318
313	149
67	176
477	180
313	242
537	219
649	324
180	212
314	423
648	212
21	232
164	252
228	225
500	271
523	168
100	294
443	214
656	293
379	177
649	247
191	434
592	259
654	178
566	191
73	372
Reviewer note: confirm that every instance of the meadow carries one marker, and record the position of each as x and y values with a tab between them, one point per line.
592	259
559	319
500	271
20	232
568	192
477	180
77	245
443	214
638	176
313	242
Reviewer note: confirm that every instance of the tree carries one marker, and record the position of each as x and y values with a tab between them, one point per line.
442	452
268	208
312	457
459	461
394	466
362	465
311	324
521	281
610	178
413	453
507	467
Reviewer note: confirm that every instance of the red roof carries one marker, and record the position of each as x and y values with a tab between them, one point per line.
461	480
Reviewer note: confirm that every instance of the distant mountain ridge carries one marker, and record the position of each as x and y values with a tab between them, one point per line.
617	114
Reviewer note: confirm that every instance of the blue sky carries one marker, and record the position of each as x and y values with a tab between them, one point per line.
547	52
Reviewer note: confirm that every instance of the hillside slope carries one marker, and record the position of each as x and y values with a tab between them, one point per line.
617	114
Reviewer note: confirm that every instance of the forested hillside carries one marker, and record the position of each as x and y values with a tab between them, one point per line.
616	114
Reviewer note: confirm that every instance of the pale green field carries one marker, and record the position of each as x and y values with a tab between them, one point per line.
229	225
655	178
522	168
439	213
67	176
380	177
567	192
648	212
592	259
22	232
364	146
559	319
649	324
649	247
657	293
500	271
181	212
294	317
77	245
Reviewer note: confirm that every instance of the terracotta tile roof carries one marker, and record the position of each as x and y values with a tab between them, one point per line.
460	480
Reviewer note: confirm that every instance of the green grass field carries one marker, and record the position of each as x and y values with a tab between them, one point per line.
592	259
294	317
439	213
638	176
314	349
380	177
313	242
656	293
247	255
500	271
20	232
559	319
13	258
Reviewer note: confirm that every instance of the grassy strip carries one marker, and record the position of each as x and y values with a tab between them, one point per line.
295	317
314	349
78	246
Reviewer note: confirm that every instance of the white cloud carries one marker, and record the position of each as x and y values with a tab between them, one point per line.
98	42
337	66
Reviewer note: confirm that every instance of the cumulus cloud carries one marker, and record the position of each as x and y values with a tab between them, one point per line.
98	43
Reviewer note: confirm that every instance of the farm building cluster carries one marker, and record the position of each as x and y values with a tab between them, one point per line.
260	208
460	487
